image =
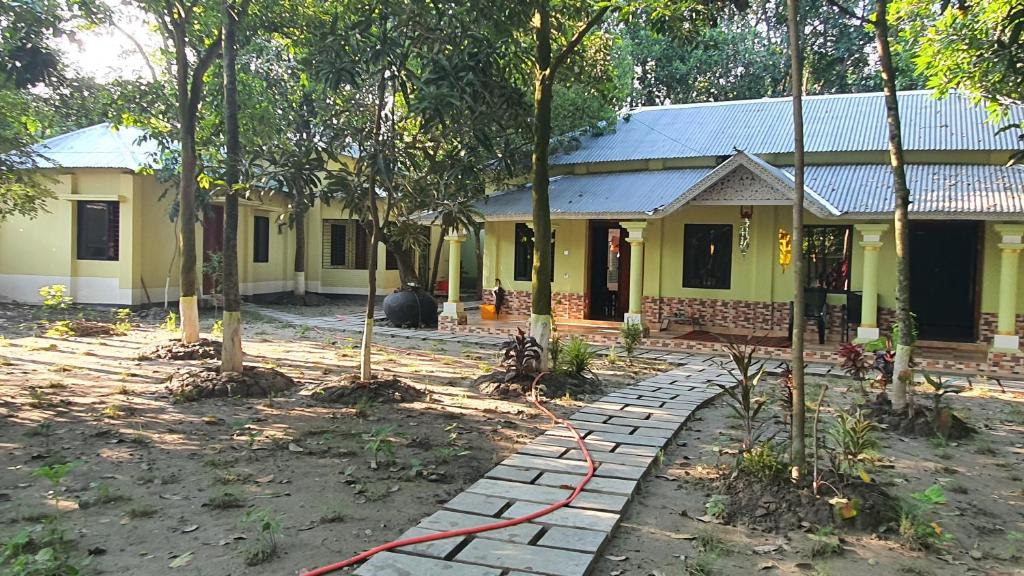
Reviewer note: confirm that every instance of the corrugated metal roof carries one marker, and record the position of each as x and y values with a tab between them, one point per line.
935	188
99	146
940	189
833	123
597	195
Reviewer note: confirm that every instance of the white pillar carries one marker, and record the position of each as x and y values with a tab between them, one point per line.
1006	339
635	237
453	308
871	242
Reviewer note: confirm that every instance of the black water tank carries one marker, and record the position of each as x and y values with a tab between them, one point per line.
411	308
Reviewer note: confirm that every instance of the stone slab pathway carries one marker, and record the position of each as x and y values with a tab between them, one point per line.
625	432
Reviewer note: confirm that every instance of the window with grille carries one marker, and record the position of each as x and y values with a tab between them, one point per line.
99	227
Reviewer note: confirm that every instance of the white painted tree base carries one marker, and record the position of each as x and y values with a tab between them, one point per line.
231	359
188	308
540	328
300	284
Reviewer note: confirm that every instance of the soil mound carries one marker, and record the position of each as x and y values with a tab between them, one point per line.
920	421
781	506
554	385
253	382
205	349
351	391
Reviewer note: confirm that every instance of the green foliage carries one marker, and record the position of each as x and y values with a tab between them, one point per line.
940	388
267	526
214	269
579	357
764	462
170	323
555	351
852	443
747	373
824	542
217	329
42	550
715	506
55	297
916	529
380	444
122	321
60	329
630	335
225	499
54	473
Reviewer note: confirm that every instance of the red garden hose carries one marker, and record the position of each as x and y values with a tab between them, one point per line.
485	527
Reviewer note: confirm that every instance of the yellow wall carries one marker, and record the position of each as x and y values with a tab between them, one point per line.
570	256
334	280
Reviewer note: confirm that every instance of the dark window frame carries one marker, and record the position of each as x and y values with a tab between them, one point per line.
261	239
815	280
697	242
112	234
523	258
336	254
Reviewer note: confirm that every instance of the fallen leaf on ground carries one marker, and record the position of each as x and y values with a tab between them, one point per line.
181	560
615	558
191	528
265	479
293	447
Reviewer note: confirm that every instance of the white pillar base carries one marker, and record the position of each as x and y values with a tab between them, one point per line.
454	310
1006	343
628	318
865	334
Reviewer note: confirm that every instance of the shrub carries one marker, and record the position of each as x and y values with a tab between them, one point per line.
854	362
171	322
61	329
630	334
268	532
521	356
217	329
763	461
852	443
55	297
555	351
122	321
915	529
747	374
715	506
579	356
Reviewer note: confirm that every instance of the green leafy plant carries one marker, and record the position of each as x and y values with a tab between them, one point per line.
747	373
122	321
55	474
61	329
852	443
764	462
916	529
42	550
218	328
579	357
170	323
521	356
55	297
380	445
613	356
555	351
268	533
213	268
225	499
824	542
630	335
941	416
715	506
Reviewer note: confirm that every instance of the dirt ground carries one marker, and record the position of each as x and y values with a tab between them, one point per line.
982	477
162	488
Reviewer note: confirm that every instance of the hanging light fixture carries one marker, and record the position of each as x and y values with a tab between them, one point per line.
746	214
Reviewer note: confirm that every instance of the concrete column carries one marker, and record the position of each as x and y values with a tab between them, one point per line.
453	307
635	238
871	235
1006	338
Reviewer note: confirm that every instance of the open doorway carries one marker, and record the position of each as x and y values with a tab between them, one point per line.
608	276
213	243
944	269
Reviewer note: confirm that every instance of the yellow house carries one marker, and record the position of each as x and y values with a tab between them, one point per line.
679	218
107	233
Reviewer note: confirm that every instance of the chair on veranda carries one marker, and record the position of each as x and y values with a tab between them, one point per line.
814	309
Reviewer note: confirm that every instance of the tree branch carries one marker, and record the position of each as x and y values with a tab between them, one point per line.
576	39
138	47
202	65
849	13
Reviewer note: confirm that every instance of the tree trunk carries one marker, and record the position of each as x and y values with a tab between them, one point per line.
231	354
479	263
406	264
300	248
365	366
905	320
188	303
798	454
436	264
543	97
